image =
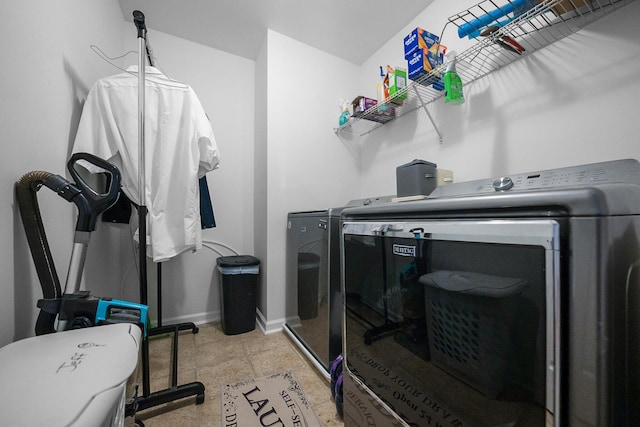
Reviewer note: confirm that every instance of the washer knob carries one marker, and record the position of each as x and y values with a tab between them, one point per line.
503	183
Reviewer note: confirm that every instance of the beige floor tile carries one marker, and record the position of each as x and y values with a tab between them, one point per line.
256	342
181	413
229	372
316	388
327	414
209	413
274	361
213	354
216	359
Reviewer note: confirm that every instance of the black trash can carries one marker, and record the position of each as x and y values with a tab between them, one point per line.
238	288
308	282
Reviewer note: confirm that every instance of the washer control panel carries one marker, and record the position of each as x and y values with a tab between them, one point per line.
576	176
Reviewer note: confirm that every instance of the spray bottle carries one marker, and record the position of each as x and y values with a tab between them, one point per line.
452	82
344	116
383	90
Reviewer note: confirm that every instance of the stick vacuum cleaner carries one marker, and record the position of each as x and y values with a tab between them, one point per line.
96	188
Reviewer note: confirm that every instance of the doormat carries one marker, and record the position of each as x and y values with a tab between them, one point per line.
275	400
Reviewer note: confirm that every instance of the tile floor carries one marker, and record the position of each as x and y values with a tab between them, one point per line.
216	359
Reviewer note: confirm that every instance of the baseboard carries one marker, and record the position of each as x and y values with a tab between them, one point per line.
197	318
269	327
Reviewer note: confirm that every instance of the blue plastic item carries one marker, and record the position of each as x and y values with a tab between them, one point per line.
476	25
117	311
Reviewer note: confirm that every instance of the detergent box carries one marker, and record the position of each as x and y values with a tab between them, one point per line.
423	62
397	82
361	104
418	39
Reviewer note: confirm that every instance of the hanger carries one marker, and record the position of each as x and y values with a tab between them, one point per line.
166	81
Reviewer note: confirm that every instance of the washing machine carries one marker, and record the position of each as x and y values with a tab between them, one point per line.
313	295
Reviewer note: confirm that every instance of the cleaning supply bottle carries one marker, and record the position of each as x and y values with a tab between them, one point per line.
383	91
452	82
344	116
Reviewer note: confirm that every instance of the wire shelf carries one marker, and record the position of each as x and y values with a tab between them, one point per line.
533	24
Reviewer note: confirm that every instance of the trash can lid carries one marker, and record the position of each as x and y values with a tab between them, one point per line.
237	261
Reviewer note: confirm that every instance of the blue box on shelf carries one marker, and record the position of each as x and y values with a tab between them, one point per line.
419	39
423	62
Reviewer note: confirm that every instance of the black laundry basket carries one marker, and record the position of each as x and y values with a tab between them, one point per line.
469	319
238	288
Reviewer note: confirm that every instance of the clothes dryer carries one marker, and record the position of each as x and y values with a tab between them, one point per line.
505	301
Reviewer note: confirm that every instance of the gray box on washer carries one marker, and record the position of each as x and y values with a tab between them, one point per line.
416	178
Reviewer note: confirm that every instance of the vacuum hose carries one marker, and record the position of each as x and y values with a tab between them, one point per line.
90	201
26	189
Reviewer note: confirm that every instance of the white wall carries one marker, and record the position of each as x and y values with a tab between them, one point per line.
47	70
308	167
261	159
570	103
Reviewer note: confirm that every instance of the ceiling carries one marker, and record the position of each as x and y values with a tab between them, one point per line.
349	29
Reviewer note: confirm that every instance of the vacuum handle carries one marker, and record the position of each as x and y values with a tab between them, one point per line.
86	168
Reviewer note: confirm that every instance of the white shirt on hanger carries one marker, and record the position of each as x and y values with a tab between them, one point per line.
179	148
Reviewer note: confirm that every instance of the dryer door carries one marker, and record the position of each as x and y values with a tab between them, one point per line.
452	322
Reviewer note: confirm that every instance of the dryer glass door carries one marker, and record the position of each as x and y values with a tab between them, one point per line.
452	322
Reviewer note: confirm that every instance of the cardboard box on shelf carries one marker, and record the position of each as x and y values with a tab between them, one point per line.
361	104
397	82
423	62
423	53
381	115
567	6
418	39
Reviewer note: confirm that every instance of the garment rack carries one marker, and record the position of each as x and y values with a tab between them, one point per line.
175	391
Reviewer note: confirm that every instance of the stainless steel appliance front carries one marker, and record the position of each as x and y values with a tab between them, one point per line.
509	301
456	325
313	297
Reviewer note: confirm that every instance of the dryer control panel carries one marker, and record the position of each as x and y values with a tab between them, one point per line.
617	171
